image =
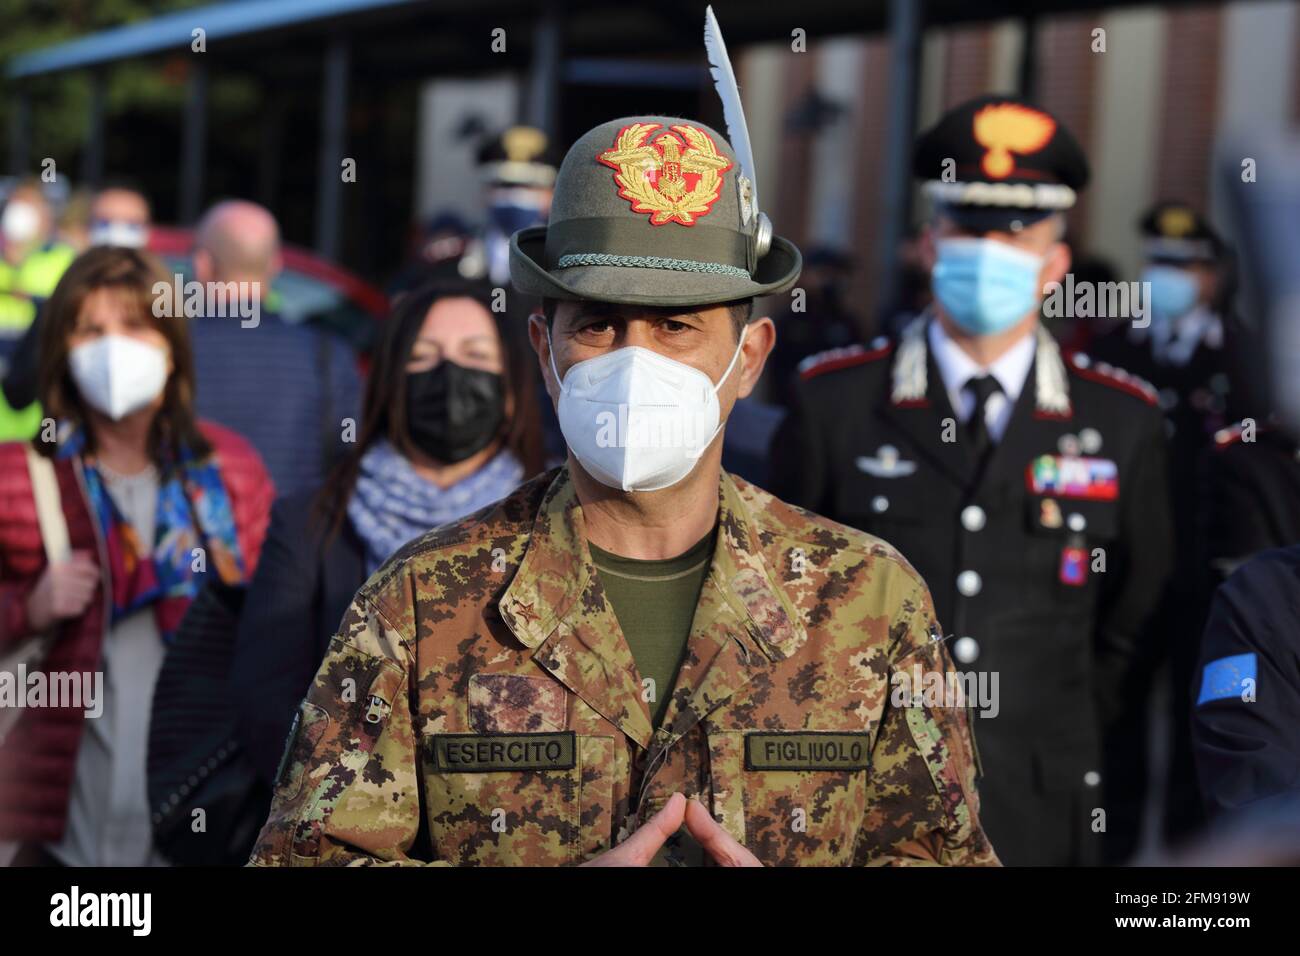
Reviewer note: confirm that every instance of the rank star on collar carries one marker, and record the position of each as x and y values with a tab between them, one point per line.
526	613
885	464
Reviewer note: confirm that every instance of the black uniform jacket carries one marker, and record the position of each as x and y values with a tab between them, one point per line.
1046	570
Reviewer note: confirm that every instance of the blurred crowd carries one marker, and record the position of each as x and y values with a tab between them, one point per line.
191	501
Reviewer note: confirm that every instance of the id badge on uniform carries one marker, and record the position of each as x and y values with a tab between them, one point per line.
1074	563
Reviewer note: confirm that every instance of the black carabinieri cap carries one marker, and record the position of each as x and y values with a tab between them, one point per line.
519	156
1175	233
1000	163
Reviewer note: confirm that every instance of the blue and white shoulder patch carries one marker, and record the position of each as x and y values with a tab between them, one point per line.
1226	678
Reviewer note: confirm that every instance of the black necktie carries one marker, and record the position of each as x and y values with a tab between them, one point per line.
977	429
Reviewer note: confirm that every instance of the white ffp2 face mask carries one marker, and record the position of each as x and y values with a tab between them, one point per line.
20	222
637	420
117	374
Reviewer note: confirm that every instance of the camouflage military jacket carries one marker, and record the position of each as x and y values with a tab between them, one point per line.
479	704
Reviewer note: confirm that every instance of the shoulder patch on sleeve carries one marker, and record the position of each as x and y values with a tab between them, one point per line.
845	357
1226	678
1106	374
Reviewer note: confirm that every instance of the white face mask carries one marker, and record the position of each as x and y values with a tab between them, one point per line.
638	420
20	222
118	232
117	374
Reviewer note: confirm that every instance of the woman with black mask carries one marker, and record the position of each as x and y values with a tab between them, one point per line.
450	425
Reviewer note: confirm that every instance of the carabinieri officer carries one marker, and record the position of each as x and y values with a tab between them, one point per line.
1026	485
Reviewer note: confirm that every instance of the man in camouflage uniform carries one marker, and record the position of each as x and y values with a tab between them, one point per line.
484	701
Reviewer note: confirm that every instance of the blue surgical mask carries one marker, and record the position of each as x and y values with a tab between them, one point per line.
985	286
1172	291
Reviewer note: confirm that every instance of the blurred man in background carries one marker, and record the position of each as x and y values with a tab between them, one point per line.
1182	347
120	216
1183	353
287	388
31	263
518	171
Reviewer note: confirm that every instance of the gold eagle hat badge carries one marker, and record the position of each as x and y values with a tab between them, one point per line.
674	177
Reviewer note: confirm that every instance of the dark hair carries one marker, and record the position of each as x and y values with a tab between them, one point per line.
384	413
742	310
133	274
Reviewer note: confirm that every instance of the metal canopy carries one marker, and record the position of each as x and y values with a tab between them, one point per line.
591	27
173	31
392	39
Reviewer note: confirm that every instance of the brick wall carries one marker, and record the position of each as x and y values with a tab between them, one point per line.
966	64
1190	94
1066	70
868	199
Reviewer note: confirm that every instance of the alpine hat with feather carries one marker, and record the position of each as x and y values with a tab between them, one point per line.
652	210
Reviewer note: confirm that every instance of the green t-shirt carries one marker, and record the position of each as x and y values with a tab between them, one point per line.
654	602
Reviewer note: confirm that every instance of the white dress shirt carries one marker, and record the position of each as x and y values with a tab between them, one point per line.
956	368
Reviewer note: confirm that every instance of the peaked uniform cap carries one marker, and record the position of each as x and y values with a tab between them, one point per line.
997	161
519	156
651	210
1175	232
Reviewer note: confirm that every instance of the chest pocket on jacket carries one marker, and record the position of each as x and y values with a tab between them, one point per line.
793	798
519	799
1067	539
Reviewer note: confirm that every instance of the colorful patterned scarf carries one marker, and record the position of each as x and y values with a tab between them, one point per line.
392	503
193	513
